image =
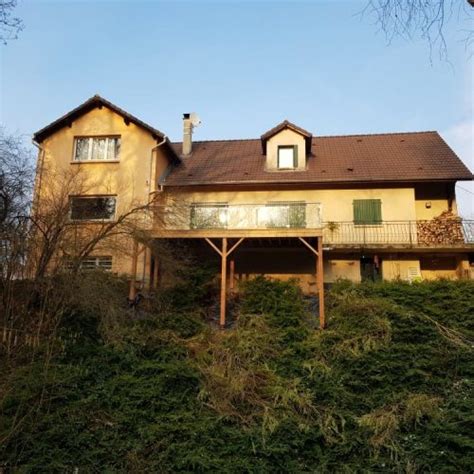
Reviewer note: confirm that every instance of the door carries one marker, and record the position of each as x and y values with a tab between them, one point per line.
369	268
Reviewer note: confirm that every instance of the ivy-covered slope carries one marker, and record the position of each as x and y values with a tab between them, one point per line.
388	387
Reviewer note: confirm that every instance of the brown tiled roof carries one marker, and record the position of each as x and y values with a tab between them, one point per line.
389	157
90	104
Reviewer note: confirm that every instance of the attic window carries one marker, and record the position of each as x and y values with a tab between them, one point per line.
97	148
287	157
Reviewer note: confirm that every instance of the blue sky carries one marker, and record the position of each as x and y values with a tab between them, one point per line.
243	66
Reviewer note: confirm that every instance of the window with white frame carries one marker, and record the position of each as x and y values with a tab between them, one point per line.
97	149
287	157
93	208
94	263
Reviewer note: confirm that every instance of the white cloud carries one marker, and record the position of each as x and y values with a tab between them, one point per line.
460	139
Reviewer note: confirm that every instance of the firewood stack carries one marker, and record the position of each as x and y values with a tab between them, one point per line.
446	229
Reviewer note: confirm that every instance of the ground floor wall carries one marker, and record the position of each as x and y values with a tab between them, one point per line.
300	264
297	262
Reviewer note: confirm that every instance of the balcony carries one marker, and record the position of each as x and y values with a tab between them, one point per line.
435	233
282	219
300	219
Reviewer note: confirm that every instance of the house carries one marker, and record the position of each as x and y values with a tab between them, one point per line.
287	204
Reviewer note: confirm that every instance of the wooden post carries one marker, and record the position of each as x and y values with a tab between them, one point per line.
133	280
147	268
320	278
223	282
224	254
231	274
156	272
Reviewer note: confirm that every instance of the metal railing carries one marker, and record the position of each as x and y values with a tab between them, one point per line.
421	233
446	232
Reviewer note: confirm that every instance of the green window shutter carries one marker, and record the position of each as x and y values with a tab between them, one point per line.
295	156
367	211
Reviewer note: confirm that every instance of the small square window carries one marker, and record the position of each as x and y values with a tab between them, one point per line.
287	158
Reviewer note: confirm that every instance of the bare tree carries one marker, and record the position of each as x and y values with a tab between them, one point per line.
16	178
10	25
43	247
422	18
57	238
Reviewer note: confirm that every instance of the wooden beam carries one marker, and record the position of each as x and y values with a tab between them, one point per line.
133	279
156	272
231	274
213	245
223	282
235	246
309	246
161	233
147	267
320	278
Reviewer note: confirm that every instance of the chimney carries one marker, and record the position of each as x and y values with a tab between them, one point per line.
187	134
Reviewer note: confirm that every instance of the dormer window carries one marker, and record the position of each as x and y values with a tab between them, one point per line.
287	157
286	147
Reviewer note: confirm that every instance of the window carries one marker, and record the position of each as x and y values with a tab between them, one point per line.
282	214
438	263
367	211
94	263
209	216
97	148
287	157
93	208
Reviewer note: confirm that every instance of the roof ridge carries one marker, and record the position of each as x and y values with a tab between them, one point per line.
376	134
317	136
221	140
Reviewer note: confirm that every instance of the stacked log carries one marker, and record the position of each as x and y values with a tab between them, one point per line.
446	229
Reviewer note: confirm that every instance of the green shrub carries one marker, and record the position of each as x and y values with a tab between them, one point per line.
388	387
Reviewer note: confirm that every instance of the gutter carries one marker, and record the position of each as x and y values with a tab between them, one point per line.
319	183
150	171
163	141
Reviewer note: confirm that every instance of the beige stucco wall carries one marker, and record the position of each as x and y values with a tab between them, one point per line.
445	266
285	137
400	269
433	199
336	205
438	206
130	179
297	262
336	269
